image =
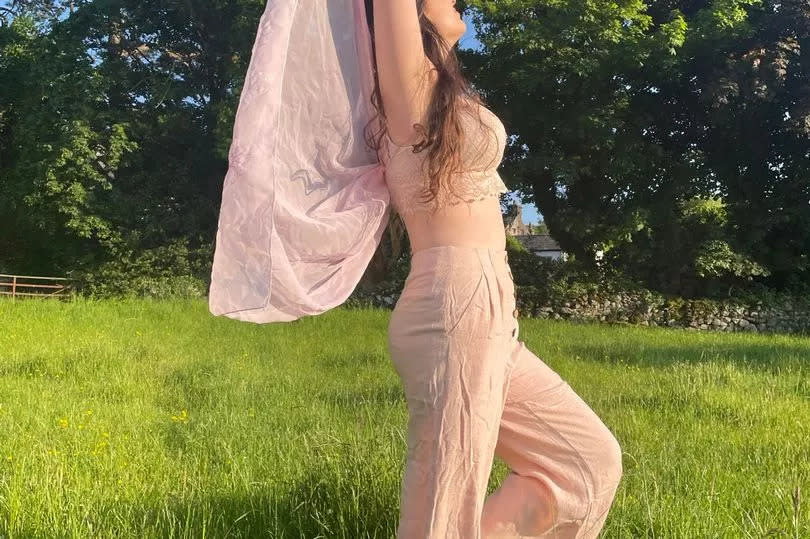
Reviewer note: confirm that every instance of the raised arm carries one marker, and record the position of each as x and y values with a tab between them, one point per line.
403	69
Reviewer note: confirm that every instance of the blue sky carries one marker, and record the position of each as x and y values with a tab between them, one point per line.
468	41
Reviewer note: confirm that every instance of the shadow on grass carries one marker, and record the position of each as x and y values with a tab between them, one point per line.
771	357
351	359
335	502
350	399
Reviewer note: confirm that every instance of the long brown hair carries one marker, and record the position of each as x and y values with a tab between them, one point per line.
442	135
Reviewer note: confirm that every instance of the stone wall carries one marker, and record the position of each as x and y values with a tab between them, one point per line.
650	309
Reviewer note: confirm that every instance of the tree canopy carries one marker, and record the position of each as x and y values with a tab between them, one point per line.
672	136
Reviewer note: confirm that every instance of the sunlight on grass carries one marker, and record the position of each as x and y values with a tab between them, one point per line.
148	418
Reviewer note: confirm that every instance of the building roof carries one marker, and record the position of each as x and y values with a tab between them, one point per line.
538	242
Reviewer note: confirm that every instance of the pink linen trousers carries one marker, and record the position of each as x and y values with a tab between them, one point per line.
473	390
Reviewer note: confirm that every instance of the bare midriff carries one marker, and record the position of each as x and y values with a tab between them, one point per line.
471	224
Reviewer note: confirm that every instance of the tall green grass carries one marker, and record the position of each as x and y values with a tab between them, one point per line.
148	418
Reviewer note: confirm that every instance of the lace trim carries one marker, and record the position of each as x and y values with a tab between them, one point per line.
417	207
395	145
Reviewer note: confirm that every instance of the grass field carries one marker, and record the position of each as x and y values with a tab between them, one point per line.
155	419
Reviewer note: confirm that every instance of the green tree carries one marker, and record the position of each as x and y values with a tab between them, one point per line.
115	123
540	228
627	111
672	136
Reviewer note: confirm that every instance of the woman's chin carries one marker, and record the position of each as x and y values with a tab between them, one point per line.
457	33
462	29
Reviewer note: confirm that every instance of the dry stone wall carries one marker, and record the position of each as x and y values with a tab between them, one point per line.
649	309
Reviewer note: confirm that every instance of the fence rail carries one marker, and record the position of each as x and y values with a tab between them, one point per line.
9	285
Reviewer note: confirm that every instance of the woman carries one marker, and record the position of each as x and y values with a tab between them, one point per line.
473	389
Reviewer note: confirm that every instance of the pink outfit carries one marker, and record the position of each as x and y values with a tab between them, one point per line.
304	205
481	153
473	391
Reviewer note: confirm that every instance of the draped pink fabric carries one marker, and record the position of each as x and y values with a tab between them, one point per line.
304	201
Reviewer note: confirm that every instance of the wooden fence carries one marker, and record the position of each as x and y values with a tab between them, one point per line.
10	285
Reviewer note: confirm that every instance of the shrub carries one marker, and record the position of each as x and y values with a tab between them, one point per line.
167	271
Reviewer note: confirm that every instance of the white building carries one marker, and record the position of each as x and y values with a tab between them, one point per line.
542	245
539	244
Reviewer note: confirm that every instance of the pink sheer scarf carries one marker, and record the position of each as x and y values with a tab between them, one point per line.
304	202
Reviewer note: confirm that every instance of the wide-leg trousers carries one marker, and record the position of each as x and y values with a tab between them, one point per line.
474	390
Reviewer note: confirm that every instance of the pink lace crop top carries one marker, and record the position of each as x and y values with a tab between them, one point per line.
481	154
